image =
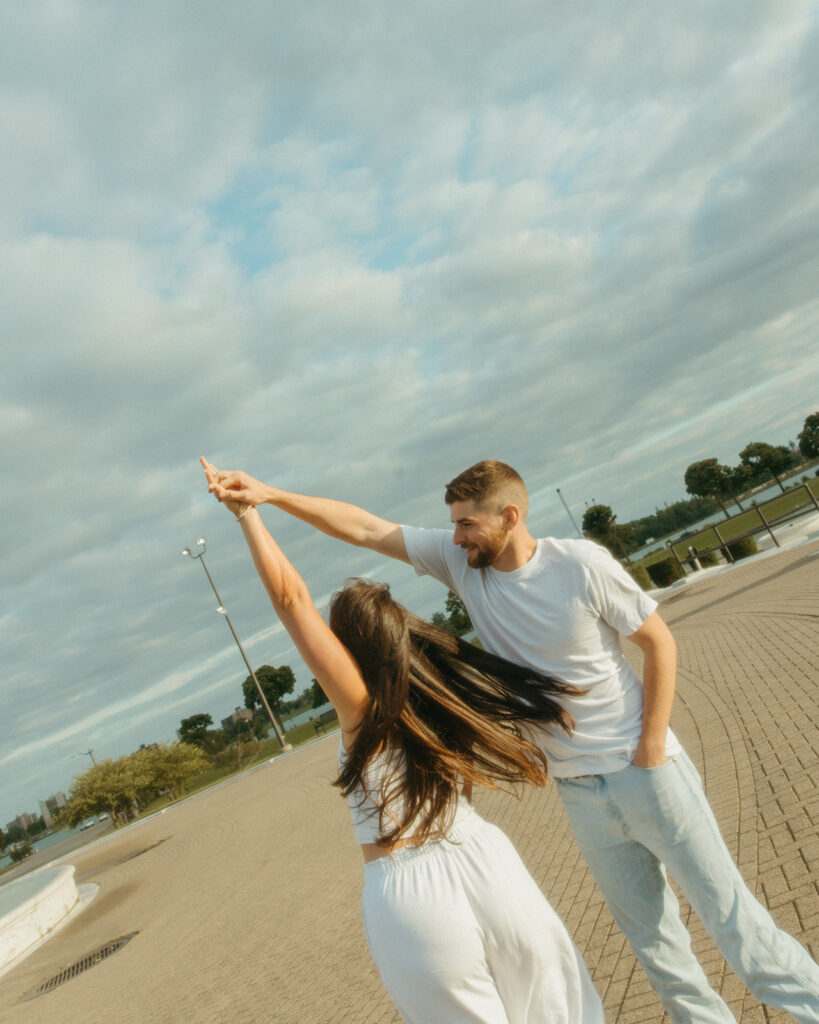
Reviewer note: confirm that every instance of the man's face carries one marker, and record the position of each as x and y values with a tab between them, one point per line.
481	534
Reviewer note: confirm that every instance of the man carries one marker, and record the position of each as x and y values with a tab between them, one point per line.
633	798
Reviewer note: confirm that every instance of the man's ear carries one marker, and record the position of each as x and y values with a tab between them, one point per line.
511	517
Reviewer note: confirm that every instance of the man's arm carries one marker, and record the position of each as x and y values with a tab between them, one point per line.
335	518
659	680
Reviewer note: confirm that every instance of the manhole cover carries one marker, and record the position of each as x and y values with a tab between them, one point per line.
90	960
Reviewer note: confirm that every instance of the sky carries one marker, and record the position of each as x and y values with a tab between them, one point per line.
353	249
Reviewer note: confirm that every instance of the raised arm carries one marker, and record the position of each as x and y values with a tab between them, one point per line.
327	658
336	518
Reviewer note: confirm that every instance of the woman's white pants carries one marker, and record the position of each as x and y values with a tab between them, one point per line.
461	933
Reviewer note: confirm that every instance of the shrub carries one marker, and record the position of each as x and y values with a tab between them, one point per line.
742	548
640	576
707	558
20	851
664	572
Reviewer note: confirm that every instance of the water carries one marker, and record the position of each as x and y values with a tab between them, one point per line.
15	893
305	716
42	844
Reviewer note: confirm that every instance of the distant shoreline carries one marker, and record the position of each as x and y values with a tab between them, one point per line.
56	850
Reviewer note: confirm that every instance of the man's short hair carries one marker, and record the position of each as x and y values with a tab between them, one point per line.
489	483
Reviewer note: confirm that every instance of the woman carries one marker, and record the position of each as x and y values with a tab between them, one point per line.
456	925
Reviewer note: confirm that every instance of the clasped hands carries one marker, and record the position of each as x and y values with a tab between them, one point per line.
236	491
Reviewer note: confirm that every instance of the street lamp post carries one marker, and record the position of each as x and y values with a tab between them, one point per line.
569	513
223	611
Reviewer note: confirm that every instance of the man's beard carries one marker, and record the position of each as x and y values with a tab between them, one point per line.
484	556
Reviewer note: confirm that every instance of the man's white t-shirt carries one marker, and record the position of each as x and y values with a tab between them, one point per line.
562	613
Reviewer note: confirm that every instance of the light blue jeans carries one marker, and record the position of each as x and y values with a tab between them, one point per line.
631	823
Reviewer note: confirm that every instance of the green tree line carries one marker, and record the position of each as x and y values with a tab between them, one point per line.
123	787
712	485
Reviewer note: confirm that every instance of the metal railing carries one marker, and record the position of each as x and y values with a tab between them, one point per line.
757	519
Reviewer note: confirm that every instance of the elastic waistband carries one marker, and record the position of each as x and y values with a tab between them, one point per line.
463	829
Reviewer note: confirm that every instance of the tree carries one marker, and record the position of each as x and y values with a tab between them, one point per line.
599	523
97	789
737	479
317	696
708	478
136	779
458	615
275	683
174	765
246	729
761	456
195	729
124	787
809	437
625	539
457	620
676	516
20	851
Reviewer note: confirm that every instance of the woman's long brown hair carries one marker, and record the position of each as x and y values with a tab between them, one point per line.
443	711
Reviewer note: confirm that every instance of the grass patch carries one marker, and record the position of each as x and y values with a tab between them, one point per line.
730	529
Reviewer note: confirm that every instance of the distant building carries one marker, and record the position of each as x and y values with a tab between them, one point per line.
239	715
22	821
50	806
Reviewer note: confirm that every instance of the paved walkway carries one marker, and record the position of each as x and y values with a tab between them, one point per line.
246	898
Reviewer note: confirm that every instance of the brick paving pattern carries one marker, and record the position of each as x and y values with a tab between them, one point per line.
246	898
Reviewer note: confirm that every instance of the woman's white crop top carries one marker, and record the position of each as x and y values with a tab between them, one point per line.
364	801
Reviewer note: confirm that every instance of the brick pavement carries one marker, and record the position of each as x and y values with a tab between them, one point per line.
246	897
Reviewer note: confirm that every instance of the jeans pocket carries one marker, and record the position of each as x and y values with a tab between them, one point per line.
661	804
